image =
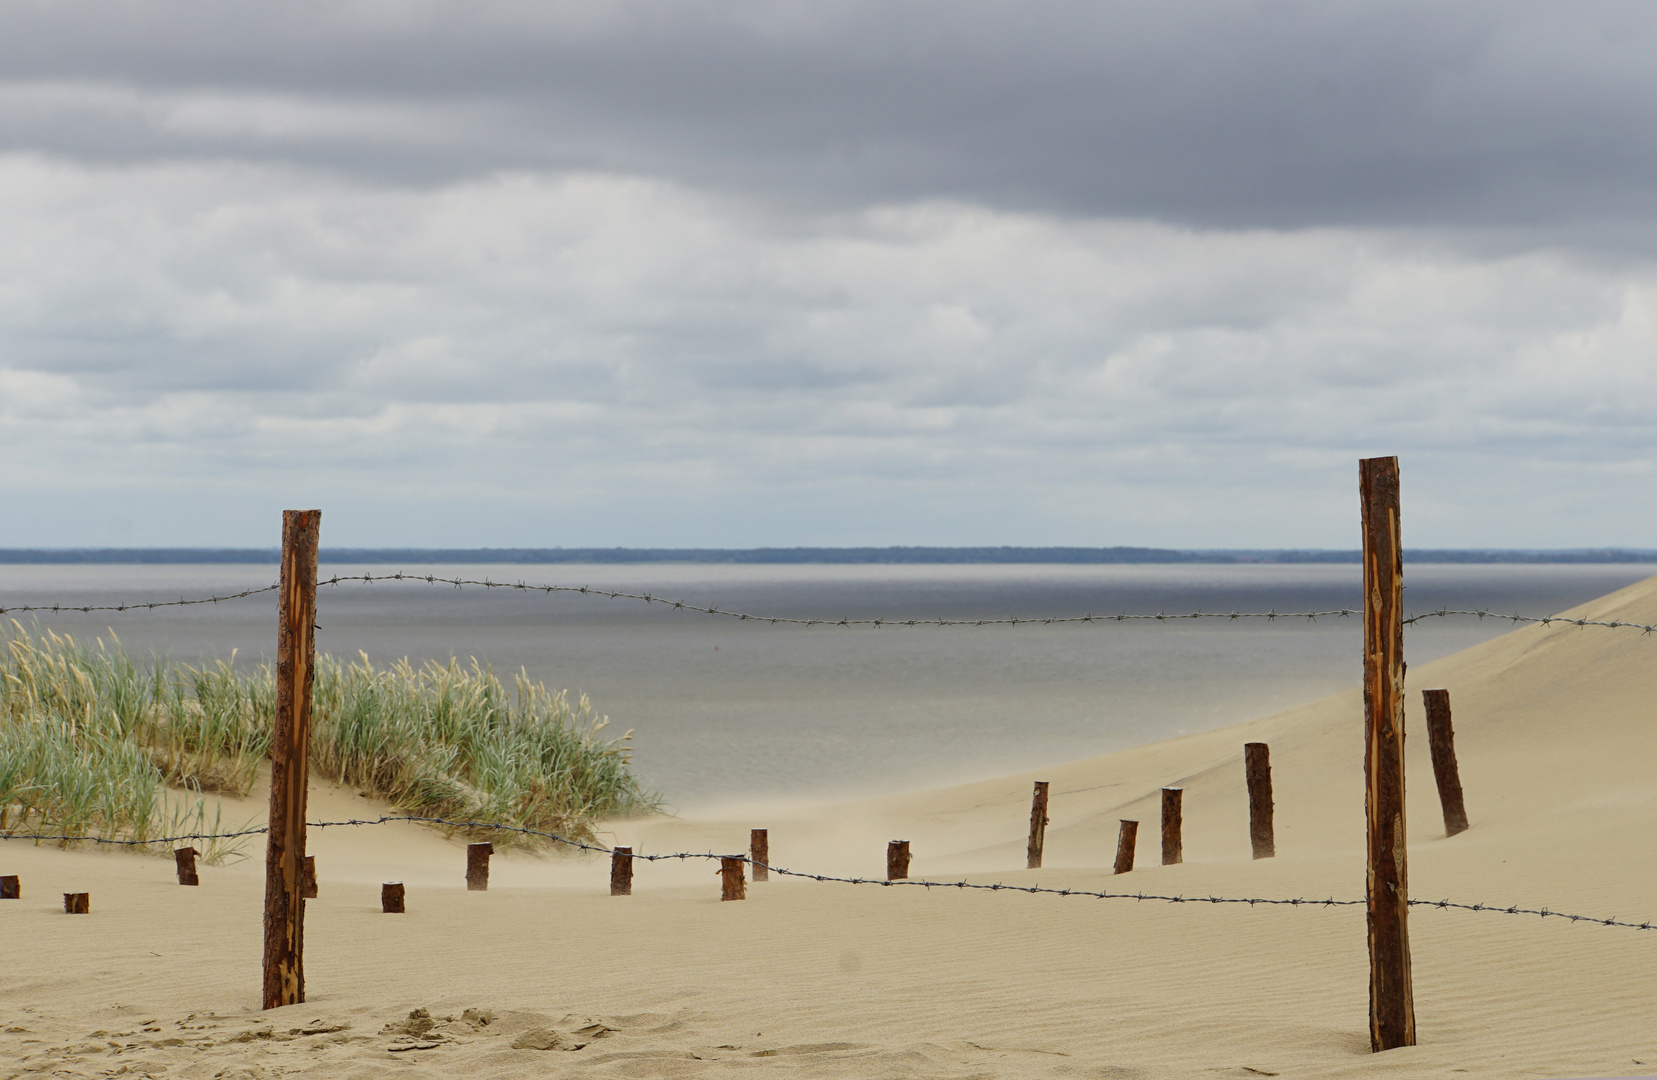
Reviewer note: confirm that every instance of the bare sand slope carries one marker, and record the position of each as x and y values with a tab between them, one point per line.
545	974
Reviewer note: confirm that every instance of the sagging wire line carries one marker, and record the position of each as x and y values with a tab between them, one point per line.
774	620
921	883
145	606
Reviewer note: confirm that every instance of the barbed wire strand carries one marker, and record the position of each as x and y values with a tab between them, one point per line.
140	606
920	883
743	616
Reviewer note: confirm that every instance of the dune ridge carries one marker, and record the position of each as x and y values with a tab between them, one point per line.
546	974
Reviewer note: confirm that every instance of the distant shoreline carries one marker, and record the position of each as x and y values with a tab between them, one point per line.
817	555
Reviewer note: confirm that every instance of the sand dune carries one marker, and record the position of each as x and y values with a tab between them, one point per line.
546	974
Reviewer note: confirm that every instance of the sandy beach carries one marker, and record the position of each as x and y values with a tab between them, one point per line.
546	974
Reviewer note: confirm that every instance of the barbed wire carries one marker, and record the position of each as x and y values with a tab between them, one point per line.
93	839
1544	620
144	606
1161	616
878	622
920	883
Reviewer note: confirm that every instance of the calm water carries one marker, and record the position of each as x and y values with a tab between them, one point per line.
727	710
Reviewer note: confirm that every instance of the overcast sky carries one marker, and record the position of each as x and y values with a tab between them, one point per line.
740	274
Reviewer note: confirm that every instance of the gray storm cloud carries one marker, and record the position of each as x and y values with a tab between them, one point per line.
1519	115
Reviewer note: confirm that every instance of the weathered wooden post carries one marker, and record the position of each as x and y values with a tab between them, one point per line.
391	898
10	887
307	879
1391	997
759	850
1038	824
1441	737
1125	840
477	866
621	871
77	903
897	860
1172	847
290	749
1257	766
184	860
730	878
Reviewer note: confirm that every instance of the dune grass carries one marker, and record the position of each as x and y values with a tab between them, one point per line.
92	743
452	741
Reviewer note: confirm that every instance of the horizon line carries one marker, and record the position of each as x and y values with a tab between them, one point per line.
851	555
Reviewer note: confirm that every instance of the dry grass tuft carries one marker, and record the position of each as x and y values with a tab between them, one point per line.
93	744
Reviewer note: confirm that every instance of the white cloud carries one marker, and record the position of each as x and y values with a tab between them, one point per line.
582	358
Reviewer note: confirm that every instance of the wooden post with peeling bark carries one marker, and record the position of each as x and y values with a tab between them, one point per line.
759	850
1391	997
1257	766
1126	838
290	748
1038	825
731	886
1173	848
897	860
1441	738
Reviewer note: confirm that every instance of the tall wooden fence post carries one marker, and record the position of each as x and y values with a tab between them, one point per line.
1441	737
759	850
1257	765
290	749
1391	997
1126	838
1172	847
1038	824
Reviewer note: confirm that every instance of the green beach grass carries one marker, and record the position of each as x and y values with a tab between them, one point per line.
93	743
